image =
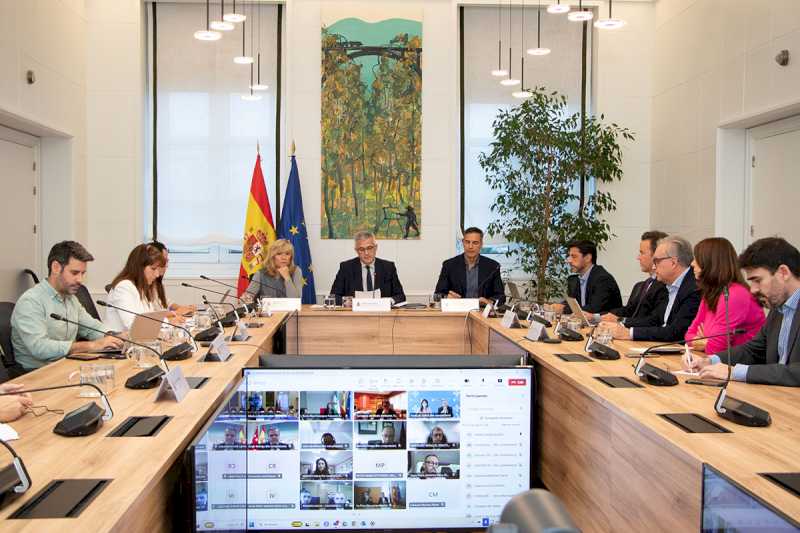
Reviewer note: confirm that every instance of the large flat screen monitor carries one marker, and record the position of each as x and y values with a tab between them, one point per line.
727	507
365	448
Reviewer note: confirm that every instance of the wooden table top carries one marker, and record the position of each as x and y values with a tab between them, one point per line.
741	455
134	464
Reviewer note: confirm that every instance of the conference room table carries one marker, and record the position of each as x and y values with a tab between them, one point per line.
615	463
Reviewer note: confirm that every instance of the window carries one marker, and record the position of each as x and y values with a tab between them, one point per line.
205	133
484	96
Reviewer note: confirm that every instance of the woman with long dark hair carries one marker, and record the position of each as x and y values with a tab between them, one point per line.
134	288
717	273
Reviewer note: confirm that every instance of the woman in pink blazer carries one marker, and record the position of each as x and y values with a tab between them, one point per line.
715	267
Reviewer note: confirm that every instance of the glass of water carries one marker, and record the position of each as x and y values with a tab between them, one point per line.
330	301
604	333
436	300
143	357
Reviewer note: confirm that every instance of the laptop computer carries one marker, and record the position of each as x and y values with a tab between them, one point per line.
576	310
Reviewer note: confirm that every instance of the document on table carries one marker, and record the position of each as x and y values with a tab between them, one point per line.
685	373
8	433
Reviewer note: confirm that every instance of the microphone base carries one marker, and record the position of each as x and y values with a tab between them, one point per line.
207	335
566	334
656	376
178	352
601	351
146	379
743	413
238	338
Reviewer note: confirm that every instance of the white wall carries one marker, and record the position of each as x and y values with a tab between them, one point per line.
714	67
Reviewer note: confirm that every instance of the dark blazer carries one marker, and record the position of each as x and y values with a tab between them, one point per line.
683	311
348	280
761	353
453	277
642	304
602	291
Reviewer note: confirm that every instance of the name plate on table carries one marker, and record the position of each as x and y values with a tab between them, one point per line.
510	319
460	305
219	349
367	305
173	385
281	304
487	311
536	332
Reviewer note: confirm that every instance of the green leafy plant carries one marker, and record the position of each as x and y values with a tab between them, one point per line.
540	164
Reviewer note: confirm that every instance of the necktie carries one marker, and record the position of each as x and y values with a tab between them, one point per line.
369	278
642	294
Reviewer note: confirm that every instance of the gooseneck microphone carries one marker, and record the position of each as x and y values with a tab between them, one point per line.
664	378
230	317
235	336
18	479
244	304
729	408
176	353
81	421
147	378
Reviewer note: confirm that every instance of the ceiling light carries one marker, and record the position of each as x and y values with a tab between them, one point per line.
221	25
558	8
580	15
207	34
509	82
233	16
539	51
252	97
243	59
522	94
499	72
609	23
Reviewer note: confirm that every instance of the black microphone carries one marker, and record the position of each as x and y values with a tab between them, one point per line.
81	421
223	294
147	378
230	317
235	337
244	304
178	352
729	408
15	474
664	378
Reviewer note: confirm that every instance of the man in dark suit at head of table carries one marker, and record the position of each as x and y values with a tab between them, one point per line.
471	275
367	273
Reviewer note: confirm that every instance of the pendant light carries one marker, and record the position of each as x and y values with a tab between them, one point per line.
499	72
558	8
539	50
207	34
222	24
609	23
243	59
509	81
252	97
581	14
233	16
258	86
523	92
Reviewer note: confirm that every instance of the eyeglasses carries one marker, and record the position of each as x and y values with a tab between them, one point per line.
434	463
657	260
365	249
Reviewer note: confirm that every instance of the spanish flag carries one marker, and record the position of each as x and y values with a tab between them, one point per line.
259	229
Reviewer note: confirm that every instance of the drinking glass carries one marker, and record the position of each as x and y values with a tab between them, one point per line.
347	302
102	375
330	301
604	334
141	356
436	300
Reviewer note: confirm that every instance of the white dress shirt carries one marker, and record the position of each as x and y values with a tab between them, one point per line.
126	296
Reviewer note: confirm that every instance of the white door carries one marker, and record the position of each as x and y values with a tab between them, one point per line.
774	185
19	208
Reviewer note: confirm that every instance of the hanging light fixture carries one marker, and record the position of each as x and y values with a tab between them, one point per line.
222	24
252	97
499	72
233	16
258	86
523	92
539	50
243	59
581	14
609	23
510	81
207	34
558	8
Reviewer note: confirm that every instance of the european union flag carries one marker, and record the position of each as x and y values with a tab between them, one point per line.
293	228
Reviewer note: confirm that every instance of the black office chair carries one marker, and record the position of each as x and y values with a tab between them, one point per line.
32	274
10	368
86	301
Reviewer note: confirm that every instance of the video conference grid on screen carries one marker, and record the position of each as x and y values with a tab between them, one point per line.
396	448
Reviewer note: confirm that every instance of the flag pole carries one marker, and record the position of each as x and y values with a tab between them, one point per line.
294	148
258	148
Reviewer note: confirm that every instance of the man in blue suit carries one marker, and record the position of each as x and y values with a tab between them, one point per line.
471	275
367	273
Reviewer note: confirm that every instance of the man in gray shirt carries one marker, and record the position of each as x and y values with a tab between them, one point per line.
39	339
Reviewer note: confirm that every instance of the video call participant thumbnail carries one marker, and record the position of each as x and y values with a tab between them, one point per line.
433	464
381	435
325	405
381	405
228	436
326	435
275	436
434	404
380	494
326	465
433	434
317	495
265	404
